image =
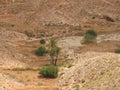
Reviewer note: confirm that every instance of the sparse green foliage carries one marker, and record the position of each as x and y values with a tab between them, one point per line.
42	35
54	51
90	36
49	71
117	50
42	41
77	87
67	63
52	43
92	32
82	81
41	51
70	65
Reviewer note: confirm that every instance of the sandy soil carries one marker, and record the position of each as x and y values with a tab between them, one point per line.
25	80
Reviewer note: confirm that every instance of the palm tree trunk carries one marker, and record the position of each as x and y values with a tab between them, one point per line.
56	60
52	60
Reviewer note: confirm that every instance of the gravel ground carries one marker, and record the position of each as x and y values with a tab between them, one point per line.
92	71
8	83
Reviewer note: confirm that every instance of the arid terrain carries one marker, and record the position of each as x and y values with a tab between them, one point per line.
93	66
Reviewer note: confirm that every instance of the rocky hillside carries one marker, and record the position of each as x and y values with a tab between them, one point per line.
24	22
39	16
92	71
53	18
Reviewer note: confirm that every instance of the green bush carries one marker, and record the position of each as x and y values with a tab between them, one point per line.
41	51
91	32
90	36
49	71
42	41
42	35
117	50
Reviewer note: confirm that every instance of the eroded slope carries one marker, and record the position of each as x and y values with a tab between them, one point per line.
92	71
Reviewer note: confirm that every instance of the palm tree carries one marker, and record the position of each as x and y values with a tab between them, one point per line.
52	56
54	51
52	43
57	50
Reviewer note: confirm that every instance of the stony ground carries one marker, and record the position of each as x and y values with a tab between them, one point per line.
96	68
9	83
25	80
92	71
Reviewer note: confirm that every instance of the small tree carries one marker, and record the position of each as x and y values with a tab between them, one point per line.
52	55
54	51
41	51
57	52
90	36
52	43
117	50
